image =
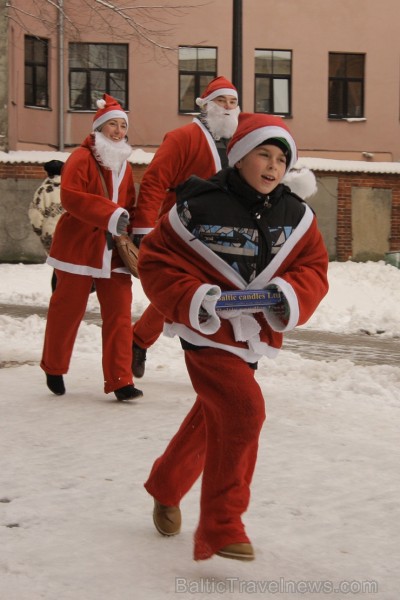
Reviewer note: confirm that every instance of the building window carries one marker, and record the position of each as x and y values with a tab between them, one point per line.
36	71
197	67
95	69
346	85
273	79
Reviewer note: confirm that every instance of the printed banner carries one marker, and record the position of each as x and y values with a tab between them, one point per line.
241	299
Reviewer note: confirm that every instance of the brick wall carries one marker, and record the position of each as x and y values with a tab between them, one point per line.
348	181
21	171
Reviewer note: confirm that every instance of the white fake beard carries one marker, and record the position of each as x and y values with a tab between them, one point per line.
110	154
221	122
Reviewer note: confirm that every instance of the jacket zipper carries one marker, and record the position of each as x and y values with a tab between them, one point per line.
265	242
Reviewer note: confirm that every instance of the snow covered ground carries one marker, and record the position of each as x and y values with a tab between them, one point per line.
75	520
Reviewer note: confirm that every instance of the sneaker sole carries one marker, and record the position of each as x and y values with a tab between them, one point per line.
236	556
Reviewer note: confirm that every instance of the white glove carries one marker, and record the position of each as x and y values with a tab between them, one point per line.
122	224
281	309
207	308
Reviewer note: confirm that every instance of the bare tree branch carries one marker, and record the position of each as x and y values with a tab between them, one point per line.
151	24
39	14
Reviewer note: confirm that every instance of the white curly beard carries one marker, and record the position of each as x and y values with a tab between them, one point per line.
221	122
111	155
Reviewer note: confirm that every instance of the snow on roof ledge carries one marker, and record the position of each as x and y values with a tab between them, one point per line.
32	156
347	166
138	156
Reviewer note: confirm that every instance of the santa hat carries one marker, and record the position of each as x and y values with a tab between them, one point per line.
108	108
217	87
253	130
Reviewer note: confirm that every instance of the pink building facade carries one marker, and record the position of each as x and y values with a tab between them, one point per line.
331	68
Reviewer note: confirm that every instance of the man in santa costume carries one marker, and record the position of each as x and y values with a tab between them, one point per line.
98	195
198	148
242	229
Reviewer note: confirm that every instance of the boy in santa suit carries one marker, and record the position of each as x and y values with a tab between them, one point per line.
98	195
240	230
198	148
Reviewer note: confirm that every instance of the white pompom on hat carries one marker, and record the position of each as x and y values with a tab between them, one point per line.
220	86
302	182
108	108
253	130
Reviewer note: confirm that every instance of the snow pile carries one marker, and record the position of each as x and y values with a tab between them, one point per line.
75	520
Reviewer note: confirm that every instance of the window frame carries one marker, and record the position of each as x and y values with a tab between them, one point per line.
34	66
272	77
345	82
88	73
208	74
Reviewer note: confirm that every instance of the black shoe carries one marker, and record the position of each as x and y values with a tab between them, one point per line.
55	383
128	392
138	360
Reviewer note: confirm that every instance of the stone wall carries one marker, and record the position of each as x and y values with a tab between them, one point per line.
358	213
18	182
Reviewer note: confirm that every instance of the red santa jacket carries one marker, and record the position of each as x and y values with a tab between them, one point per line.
178	272
79	243
188	150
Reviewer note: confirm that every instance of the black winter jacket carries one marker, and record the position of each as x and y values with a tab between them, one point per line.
243	227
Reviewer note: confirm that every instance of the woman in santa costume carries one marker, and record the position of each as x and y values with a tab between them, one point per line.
198	148
240	230
98	195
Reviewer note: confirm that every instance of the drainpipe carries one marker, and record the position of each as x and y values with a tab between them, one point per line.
61	75
237	47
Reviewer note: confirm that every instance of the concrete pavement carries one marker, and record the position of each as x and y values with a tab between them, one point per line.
364	348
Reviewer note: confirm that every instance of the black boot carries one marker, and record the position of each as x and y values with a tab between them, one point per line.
138	360
55	383
128	392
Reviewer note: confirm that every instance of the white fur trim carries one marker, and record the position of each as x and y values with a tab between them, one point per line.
289	293
112	223
255	138
203	293
255	350
211	144
141	230
111	114
215	94
213	259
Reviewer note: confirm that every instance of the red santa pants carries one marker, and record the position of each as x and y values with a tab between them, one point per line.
148	327
219	438
66	310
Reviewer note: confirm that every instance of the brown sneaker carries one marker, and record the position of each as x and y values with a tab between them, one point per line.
241	551
138	361
167	519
